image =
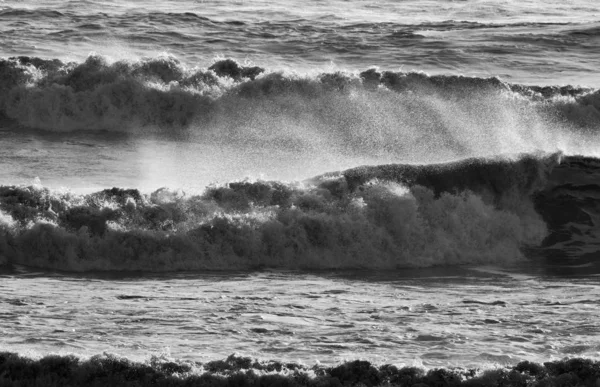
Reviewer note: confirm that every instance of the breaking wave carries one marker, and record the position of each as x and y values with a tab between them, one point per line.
160	371
484	209
390	216
163	95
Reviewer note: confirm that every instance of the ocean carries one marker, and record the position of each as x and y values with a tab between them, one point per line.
300	193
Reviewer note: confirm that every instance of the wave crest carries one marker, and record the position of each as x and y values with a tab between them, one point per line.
25	79
381	220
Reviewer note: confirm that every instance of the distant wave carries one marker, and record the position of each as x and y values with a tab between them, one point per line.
98	95
395	115
394	216
35	13
236	370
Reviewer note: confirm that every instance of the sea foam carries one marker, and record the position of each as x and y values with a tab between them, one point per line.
475	211
162	91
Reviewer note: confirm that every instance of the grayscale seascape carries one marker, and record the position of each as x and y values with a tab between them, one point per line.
300	193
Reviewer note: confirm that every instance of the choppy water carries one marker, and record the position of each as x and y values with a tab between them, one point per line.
432	318
552	42
442	156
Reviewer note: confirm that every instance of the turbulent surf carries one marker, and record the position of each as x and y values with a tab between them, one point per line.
389	216
413	184
163	94
490	208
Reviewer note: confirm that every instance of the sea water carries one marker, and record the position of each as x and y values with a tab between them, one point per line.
412	182
435	318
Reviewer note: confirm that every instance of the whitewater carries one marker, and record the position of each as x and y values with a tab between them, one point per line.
341	192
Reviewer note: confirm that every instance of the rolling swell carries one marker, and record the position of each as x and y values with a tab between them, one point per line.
374	111
393	216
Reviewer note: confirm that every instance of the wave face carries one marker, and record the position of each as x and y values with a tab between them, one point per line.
383	217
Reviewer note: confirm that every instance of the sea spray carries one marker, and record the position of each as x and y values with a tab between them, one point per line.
379	112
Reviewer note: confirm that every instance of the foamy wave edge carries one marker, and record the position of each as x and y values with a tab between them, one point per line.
237	370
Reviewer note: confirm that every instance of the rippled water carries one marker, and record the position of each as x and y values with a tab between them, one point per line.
550	42
463	317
